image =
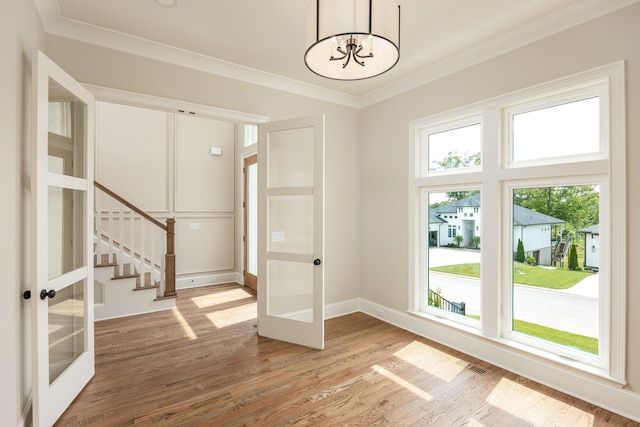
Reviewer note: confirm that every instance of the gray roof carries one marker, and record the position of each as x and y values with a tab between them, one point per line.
521	215
594	229
434	217
524	216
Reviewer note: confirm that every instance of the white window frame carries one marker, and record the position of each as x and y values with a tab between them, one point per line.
498	175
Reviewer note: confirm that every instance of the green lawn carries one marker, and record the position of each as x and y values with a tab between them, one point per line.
568	339
525	274
580	342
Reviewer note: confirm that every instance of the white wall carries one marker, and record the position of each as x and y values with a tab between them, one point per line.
108	68
21	34
161	162
384	198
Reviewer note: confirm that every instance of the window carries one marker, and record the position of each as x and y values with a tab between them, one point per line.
536	178
250	135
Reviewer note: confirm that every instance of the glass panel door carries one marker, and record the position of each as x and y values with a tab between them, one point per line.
62	188
291	199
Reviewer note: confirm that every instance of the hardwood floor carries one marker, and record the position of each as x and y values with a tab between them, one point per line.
203	364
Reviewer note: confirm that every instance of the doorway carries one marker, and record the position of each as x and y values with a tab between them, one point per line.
250	212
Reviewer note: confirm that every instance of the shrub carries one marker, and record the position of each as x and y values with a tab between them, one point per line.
531	260
520	252
435	298
573	258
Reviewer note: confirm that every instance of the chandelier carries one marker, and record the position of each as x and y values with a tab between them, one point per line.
353	39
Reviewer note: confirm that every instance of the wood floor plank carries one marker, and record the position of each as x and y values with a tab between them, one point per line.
202	364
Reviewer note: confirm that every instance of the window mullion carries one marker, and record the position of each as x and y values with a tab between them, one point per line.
490	261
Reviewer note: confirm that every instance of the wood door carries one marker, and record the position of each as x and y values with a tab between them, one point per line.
62	240
250	209
291	231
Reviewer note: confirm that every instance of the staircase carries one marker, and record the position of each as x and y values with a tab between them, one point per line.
134	263
561	250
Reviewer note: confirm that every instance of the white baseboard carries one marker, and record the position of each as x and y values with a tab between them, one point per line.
195	281
341	308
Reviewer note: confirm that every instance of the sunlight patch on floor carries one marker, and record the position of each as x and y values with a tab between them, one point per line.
431	360
220	298
520	401
402	383
232	316
185	326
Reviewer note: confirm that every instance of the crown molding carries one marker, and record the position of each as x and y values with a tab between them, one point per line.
555	23
566	18
118	96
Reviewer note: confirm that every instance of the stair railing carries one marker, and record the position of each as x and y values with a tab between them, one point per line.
440	302
139	243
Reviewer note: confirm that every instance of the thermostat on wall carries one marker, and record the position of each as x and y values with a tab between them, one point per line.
215	151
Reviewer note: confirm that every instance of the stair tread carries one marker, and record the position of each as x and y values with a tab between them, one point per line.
128	276
142	288
112	264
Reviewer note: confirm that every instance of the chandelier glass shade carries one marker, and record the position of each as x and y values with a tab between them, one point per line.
353	39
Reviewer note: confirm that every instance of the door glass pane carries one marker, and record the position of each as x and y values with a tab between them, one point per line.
454	229
290	290
290	158
66	130
561	130
65	231
290	224
451	149
252	219
66	328
556	285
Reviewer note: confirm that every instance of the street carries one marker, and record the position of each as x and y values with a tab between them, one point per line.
573	310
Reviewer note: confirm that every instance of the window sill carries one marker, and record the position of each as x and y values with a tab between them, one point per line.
526	351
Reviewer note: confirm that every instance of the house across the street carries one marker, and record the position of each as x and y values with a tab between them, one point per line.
591	246
537	231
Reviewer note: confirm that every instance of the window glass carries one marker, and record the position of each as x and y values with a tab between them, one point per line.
453	280
561	130
250	135
452	148
555	281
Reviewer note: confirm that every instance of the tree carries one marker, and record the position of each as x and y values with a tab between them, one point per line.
578	205
573	258
475	241
520	252
458	239
454	160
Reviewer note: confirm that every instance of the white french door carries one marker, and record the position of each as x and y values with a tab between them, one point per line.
291	231
61	240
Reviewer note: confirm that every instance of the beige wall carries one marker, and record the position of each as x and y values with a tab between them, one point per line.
21	34
384	193
108	68
161	162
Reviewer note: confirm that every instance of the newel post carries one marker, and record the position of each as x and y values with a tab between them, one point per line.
170	260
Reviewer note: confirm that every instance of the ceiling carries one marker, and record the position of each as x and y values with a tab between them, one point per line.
264	41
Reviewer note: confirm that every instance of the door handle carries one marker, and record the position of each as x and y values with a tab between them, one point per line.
317	261
44	293
26	294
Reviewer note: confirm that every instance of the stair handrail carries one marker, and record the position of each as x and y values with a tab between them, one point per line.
169	228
